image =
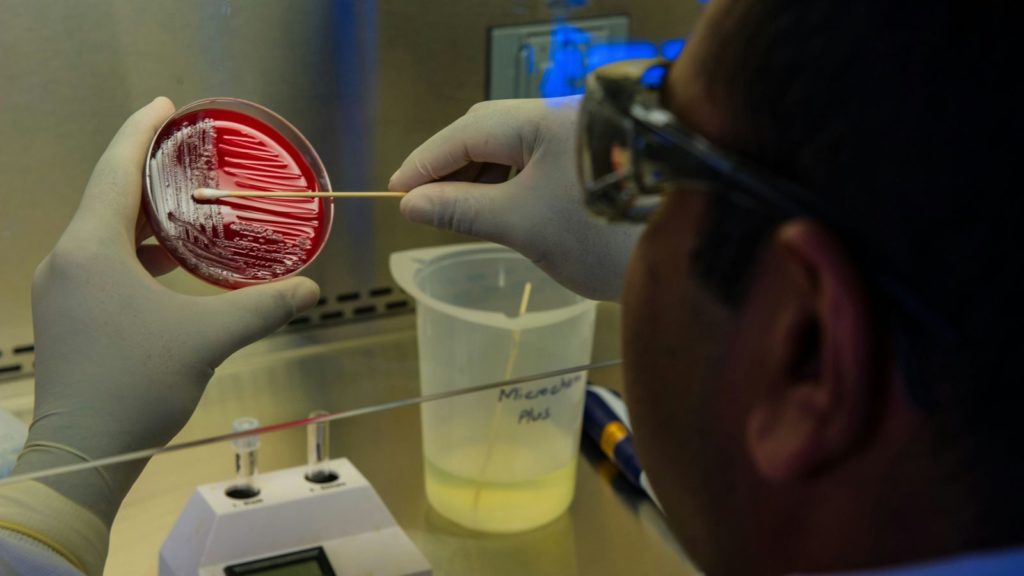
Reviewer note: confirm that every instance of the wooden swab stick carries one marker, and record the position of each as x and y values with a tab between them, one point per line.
512	357
208	194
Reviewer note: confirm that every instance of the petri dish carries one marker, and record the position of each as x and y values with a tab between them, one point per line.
232	144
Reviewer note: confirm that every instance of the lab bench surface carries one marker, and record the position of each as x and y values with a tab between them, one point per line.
609	529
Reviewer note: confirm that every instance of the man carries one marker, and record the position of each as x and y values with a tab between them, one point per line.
819	352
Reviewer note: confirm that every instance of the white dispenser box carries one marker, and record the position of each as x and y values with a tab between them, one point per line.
293	526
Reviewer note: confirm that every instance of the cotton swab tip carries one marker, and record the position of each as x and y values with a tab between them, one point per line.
208	194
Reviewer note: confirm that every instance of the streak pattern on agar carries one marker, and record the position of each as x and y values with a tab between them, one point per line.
235	241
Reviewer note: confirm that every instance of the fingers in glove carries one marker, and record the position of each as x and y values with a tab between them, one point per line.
499	133
463	207
481	173
109	209
243	316
493	173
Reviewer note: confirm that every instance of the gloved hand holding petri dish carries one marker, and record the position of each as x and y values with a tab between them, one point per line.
231	144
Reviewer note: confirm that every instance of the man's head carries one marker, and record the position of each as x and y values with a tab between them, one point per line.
794	415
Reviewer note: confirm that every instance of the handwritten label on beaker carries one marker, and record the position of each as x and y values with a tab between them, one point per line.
515	393
537	413
530	415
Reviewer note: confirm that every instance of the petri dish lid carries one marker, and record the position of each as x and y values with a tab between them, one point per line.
232	144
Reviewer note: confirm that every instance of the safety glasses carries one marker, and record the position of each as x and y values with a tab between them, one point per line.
632	152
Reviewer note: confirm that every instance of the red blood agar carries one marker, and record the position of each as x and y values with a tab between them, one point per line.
235	242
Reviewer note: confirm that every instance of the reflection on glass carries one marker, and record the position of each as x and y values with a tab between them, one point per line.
550	550
246	456
318	450
253	433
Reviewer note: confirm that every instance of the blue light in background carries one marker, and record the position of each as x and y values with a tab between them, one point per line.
653	77
573	55
354	44
671	49
566	72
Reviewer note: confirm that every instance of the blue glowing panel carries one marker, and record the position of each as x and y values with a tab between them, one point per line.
548	59
566	72
654	77
671	49
573	56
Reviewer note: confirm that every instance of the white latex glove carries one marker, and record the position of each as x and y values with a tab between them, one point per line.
121	361
458	180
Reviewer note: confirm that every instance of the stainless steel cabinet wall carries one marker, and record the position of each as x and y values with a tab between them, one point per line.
364	80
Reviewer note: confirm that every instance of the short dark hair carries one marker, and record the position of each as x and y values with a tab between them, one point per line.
906	118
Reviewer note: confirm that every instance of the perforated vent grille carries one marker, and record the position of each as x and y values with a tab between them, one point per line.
18	360
359	305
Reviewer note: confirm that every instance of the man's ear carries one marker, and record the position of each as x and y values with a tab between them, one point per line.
813	409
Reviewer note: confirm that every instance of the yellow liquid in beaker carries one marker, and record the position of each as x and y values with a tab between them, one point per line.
500	507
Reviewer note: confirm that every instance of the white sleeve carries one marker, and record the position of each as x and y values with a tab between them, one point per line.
23	556
44	532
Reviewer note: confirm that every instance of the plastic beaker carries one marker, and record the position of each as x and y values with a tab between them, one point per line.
501	460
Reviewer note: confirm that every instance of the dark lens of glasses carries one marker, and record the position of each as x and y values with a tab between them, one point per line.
605	155
605	138
624	164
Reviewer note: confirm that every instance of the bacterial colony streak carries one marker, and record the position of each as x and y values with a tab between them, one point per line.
234	241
